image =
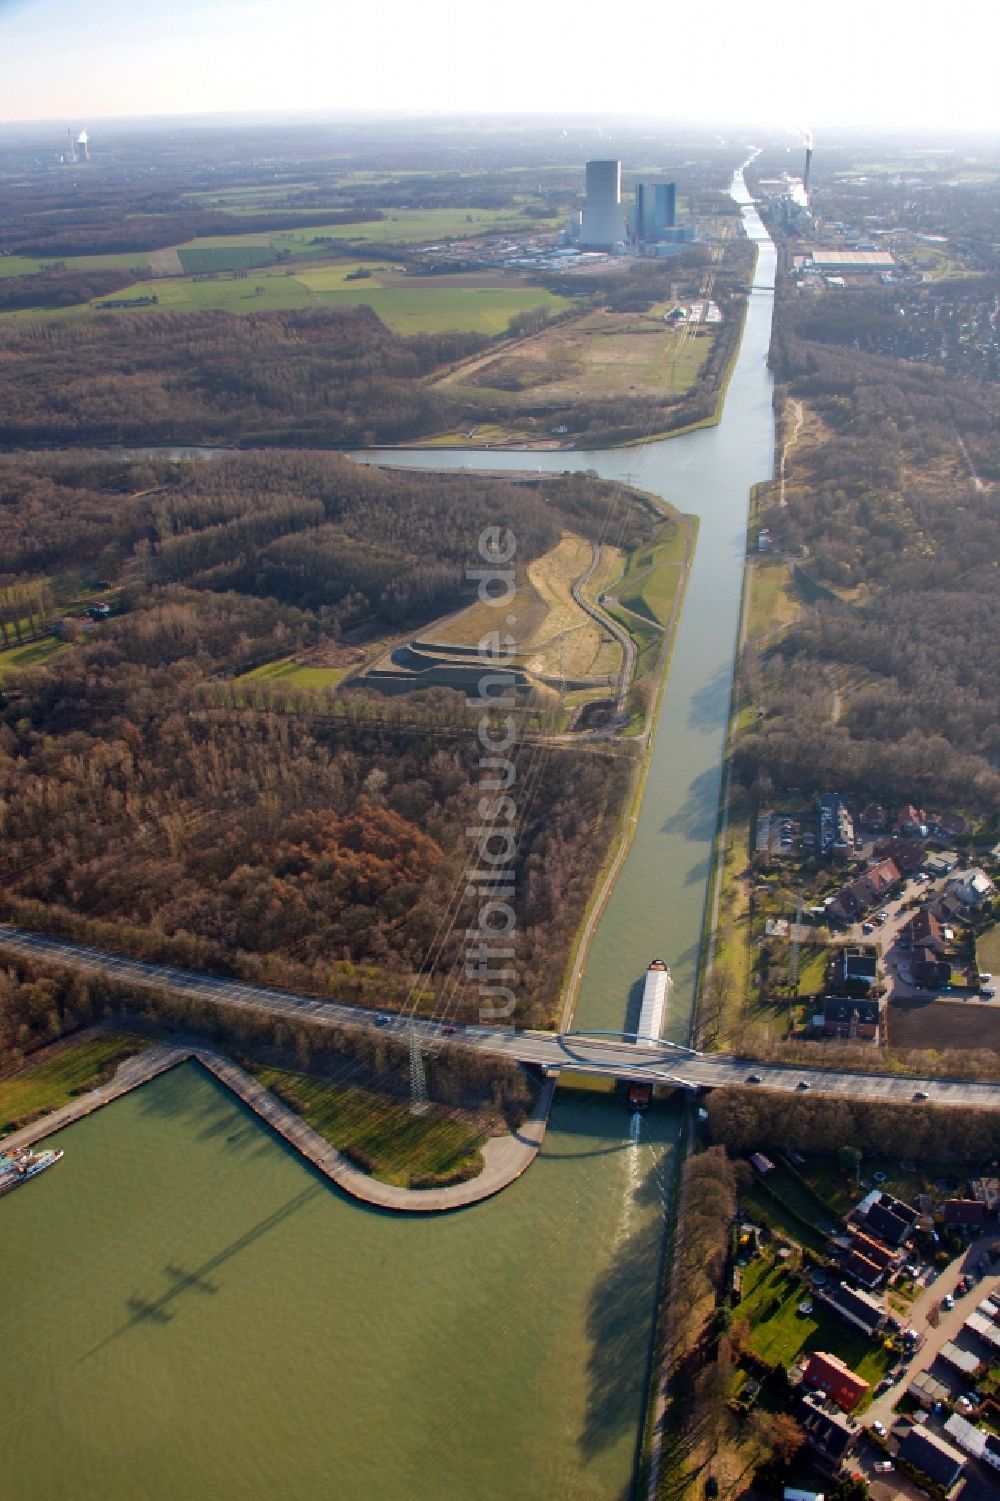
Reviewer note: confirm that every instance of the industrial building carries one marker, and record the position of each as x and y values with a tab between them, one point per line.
603	225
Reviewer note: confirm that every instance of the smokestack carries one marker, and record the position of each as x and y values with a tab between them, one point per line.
805	175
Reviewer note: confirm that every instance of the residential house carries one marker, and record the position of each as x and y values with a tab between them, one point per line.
933	1457
968	1214
907	854
853	972
986	1330
949	825
846	1018
830	1433
928	1390
854	1307
875	1251
857	1265
829	1375
940	862
885	1217
926	931
928	971
964	1361
972	888
874	818
866	891
911	820
975	1441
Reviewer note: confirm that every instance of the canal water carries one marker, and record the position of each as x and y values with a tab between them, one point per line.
187	1310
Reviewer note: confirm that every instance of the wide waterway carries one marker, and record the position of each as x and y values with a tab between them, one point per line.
187	1310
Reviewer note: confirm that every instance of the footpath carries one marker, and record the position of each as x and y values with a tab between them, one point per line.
505	1158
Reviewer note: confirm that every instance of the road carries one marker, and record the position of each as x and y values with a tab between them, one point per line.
606	623
659	1063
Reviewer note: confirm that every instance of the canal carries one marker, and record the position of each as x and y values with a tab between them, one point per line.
187	1310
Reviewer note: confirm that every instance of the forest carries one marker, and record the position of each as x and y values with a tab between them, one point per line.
892	511
316	377
148	806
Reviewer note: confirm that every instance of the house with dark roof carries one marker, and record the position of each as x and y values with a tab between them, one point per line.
933	1457
969	1214
884	1218
906	854
865	891
830	1433
857	1266
854	1307
846	1018
828	1374
873	817
928	971
853	972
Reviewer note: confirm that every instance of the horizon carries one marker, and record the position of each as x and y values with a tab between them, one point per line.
236	57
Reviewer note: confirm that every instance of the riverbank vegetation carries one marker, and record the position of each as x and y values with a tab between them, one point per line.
382	1136
76	1066
353	1085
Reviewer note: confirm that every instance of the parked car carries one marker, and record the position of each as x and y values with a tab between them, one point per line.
882	1466
867	927
947	1301
879	1428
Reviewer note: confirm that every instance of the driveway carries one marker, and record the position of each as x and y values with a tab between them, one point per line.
948	1327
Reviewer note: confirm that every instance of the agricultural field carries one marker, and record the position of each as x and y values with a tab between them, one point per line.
63	1074
475	303
940	1025
598	356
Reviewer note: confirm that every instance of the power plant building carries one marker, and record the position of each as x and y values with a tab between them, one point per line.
603	220
655	215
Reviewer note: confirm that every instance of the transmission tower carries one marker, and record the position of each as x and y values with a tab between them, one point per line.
418	1079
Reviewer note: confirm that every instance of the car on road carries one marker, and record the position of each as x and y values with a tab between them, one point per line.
381	1021
879	1428
882	1466
987	992
984	977
947	1301
803	1084
867	927
920	1094
449	1031
754	1079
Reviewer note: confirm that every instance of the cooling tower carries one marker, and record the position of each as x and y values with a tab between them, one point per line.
603	221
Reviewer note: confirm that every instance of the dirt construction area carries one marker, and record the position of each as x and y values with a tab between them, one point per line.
933	1023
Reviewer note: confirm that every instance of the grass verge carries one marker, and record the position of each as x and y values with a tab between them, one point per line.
67	1070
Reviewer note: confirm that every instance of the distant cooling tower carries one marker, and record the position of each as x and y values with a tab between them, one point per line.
603	221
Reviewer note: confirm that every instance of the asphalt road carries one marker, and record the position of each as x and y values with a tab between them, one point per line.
655	1064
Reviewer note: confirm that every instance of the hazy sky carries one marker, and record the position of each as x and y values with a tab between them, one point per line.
863	62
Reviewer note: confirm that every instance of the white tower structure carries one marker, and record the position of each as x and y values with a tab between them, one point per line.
83	146
603	220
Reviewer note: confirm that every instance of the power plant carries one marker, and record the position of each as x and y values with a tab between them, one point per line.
79	147
809	157
603	221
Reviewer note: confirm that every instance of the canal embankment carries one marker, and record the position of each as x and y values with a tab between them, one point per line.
505	1157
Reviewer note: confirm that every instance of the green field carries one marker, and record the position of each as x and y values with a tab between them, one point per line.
395	1145
652	577
23	265
66	1073
201	258
29	654
409	305
295	674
